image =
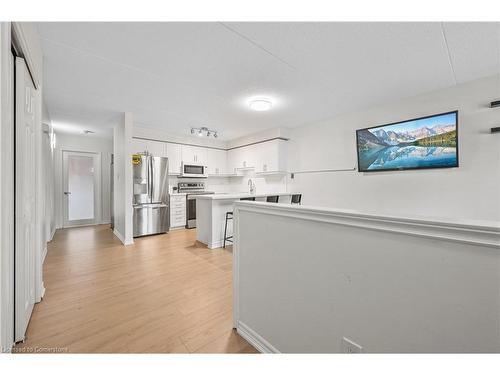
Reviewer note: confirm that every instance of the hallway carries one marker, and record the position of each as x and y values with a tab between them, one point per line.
164	294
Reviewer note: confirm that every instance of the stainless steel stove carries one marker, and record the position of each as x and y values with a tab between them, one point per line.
191	189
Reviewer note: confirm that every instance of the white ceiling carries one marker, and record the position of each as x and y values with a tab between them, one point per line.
176	75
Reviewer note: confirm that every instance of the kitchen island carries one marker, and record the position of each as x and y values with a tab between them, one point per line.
211	214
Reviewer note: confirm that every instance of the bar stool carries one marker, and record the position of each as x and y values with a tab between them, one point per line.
273	198
229	216
296	198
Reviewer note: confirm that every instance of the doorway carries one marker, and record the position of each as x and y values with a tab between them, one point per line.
81	188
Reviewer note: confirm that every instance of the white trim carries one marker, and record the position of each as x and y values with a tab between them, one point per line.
20	38
177	228
121	237
216	244
236	269
256	340
484	234
41	292
44	254
6	191
52	233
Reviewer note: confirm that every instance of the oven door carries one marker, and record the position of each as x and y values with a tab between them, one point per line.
190	212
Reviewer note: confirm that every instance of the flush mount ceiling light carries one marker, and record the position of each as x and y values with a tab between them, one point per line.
204	131
260	104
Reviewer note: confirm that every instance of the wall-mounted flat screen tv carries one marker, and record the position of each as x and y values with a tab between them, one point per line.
426	142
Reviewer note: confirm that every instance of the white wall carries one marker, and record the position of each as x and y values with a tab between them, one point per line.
306	278
471	191
85	143
263	184
122	149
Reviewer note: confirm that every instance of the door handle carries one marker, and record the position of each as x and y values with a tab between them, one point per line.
67	192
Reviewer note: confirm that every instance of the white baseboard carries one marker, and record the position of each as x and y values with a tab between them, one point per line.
42	291
177	228
121	237
52	234
44	253
217	244
257	341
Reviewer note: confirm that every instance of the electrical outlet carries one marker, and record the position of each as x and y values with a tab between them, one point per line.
350	347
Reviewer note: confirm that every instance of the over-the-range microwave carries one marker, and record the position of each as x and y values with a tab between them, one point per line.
194	170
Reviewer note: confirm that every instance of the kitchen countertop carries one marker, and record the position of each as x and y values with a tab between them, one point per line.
177	194
235	196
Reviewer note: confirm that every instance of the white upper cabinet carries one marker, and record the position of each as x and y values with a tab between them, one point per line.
217	161
266	157
139	145
271	156
241	158
194	154
234	160
155	148
174	155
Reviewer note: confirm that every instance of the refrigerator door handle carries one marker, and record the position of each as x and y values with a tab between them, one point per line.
152	178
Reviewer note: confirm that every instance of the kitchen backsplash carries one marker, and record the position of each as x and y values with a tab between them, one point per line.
263	184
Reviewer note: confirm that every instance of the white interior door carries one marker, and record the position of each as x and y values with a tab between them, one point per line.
25	203
81	188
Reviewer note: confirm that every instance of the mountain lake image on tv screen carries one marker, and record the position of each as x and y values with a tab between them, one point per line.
423	143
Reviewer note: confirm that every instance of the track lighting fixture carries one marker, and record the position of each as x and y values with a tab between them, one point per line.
204	131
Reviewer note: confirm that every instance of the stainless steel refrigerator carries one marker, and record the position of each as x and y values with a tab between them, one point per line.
151	198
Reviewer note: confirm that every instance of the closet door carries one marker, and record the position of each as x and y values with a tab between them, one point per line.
25	200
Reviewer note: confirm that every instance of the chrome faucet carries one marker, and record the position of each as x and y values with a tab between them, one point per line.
251	185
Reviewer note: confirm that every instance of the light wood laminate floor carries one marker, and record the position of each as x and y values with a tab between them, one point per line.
164	294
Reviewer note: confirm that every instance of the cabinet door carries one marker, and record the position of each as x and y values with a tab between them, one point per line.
188	154
194	154
156	148
234	160
271	156
139	145
216	161
174	155
267	157
201	155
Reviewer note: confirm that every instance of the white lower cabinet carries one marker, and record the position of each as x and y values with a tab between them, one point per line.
177	211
